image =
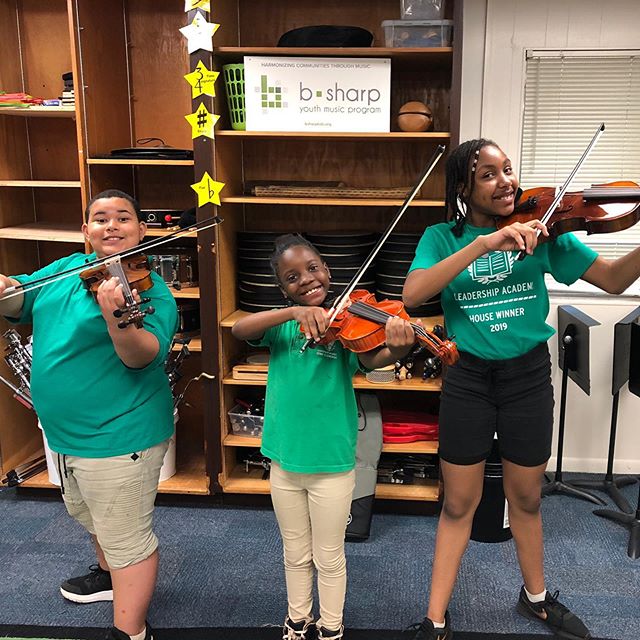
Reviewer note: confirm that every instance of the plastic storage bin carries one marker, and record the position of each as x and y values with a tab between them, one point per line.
234	84
422	9
245	424
417	33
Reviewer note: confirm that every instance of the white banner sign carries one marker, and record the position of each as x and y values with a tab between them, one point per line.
317	94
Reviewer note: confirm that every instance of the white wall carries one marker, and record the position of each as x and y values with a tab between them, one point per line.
496	35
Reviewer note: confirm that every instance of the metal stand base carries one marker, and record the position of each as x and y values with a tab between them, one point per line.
629	520
610	486
558	486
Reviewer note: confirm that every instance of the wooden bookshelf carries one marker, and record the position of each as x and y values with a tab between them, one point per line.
38	184
38	111
44	232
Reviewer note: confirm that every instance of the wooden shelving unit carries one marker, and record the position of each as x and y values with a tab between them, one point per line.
356	159
53	160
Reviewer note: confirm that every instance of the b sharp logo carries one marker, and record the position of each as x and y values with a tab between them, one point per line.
492	267
270	95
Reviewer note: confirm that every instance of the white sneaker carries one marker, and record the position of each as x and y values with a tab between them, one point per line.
324	634
296	630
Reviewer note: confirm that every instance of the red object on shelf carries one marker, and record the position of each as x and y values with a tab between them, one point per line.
408	426
416	437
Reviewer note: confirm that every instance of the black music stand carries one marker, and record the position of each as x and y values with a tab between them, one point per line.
573	359
622	365
631	520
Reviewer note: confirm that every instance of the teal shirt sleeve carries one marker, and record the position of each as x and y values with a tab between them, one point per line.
427	251
269	337
26	316
569	258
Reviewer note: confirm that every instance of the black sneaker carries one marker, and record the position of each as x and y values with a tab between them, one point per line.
302	630
326	634
116	634
426	631
555	615
93	587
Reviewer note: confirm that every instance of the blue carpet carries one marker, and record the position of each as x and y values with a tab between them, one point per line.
221	567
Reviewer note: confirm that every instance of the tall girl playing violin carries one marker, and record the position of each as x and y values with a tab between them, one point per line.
497	306
105	404
310	431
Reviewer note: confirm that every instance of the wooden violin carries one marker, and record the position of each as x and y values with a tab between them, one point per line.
134	272
360	327
603	208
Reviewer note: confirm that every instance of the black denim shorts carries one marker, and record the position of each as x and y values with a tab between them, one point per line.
513	398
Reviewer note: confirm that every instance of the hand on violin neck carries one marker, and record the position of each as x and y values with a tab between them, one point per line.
111	298
400	337
399	340
514	237
314	320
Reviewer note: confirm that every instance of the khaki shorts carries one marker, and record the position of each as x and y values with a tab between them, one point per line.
113	499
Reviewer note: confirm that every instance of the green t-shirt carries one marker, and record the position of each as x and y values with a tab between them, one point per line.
498	306
89	403
310	416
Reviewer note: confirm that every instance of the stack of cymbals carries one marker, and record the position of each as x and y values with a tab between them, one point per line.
392	266
257	285
344	254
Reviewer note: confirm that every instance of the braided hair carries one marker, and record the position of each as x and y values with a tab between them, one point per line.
284	242
460	173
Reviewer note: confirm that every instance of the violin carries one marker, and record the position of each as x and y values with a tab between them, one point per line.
360	327
131	266
603	208
134	273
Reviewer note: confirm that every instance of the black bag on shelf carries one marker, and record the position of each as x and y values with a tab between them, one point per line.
326	35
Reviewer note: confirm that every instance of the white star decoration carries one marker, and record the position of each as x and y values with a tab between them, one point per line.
199	33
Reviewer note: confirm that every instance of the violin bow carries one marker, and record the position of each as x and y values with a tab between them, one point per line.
11	292
560	194
340	301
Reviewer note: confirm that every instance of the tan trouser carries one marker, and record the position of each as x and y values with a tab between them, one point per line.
312	512
113	499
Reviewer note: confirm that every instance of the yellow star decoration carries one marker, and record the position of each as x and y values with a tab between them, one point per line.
208	190
202	122
205	5
202	81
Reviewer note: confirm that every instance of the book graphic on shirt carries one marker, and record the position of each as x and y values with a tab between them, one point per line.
491	267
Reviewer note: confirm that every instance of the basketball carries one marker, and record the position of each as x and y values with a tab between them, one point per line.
415	116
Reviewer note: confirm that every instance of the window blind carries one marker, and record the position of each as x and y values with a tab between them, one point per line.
567	95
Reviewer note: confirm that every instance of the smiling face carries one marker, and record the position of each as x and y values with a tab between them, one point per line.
303	276
494	187
112	226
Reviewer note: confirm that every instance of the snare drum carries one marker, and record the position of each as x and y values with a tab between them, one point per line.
177	270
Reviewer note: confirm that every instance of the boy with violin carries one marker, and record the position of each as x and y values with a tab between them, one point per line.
310	432
496	306
105	404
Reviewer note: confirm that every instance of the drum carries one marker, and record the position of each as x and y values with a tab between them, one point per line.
178	270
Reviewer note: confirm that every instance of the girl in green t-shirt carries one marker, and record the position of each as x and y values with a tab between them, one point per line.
310	431
497	305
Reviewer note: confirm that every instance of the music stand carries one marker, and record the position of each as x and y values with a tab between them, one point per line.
573	359
622	365
631	520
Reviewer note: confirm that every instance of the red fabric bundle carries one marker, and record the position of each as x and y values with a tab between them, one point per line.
408	426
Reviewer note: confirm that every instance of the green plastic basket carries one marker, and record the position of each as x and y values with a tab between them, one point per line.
234	83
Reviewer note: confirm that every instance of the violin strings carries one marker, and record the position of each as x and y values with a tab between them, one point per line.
378	315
